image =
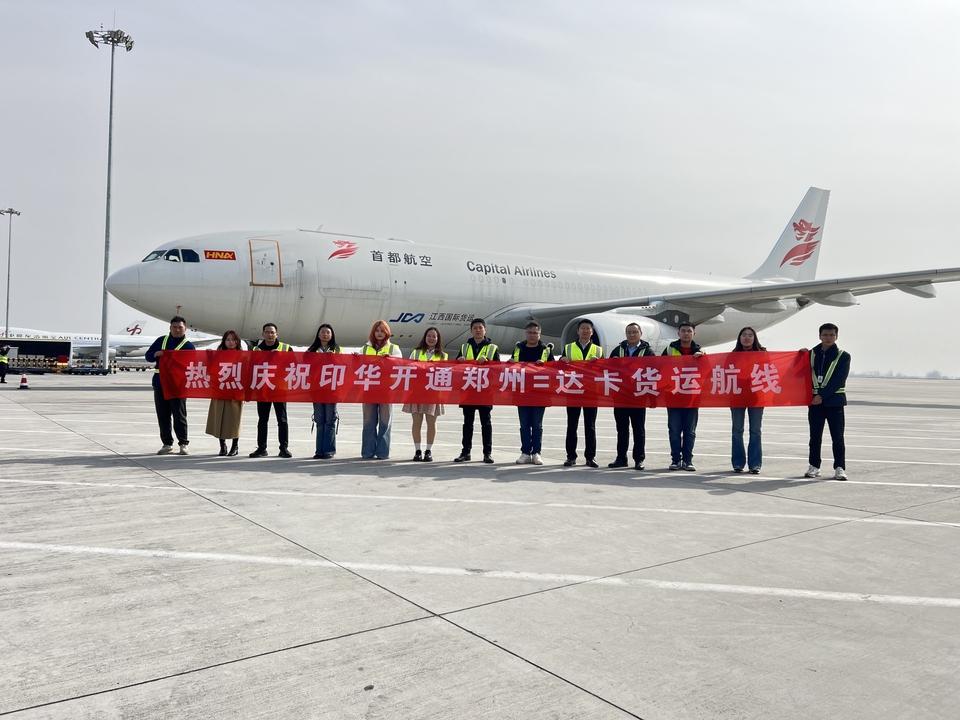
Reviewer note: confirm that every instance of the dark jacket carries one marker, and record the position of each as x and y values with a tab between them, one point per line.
819	363
532	354
643	350
172	344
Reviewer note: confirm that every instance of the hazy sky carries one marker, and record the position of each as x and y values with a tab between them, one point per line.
655	134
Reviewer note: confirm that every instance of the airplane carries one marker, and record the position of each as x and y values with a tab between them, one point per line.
128	342
299	279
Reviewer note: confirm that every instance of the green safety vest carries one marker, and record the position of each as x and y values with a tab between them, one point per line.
545	356
671	350
573	352
426	355
826	378
4	359
385	350
487	352
163	346
281	347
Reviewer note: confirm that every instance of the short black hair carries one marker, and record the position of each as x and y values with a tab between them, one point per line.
533	324
829	326
273	325
478	320
686	324
176	319
636	325
585	320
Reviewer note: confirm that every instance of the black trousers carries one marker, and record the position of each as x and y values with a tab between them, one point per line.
486	427
175	408
625	418
263	419
834	418
3	372
589	432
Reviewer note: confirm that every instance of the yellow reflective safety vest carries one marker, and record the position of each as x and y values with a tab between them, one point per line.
4	359
545	356
425	355
487	352
281	347
163	346
385	350
572	351
829	374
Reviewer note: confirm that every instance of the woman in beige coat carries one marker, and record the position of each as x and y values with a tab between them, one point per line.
223	418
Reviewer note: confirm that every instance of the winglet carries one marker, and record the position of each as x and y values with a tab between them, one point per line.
795	255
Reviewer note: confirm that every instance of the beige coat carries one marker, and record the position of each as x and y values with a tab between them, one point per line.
223	419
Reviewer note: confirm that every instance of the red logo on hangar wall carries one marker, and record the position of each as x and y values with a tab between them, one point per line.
799	254
219	255
345	249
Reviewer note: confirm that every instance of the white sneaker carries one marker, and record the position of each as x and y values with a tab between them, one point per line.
812	472
165	450
536	459
840	474
524	459
184	450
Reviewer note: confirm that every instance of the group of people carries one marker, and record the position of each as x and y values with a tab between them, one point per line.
829	369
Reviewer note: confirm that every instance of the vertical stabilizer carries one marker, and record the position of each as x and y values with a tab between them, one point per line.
134	328
796	253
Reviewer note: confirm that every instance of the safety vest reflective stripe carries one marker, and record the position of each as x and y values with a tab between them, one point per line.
281	347
573	352
4	359
487	352
163	346
423	355
385	350
826	378
544	356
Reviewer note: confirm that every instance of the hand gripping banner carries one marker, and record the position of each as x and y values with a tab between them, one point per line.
742	379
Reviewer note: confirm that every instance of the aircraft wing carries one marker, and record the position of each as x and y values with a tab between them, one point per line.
751	297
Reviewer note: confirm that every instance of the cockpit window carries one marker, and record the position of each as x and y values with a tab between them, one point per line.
190	255
153	256
172	255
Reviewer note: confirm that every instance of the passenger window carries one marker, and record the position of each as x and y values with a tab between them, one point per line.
172	255
153	256
190	256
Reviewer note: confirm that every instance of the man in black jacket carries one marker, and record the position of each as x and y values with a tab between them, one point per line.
682	422
829	367
632	347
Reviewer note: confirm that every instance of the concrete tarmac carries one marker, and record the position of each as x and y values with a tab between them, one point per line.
139	586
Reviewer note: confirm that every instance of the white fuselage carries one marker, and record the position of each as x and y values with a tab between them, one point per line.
300	279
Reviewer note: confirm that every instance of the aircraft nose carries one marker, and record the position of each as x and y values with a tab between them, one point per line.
124	285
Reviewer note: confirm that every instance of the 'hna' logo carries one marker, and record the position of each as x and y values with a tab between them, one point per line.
345	249
135	330
219	255
408	317
799	254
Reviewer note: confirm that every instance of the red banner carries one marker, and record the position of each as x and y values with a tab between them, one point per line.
743	379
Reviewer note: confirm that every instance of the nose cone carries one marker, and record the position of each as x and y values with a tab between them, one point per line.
124	285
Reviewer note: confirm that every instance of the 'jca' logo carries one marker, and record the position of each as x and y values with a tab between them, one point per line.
408	317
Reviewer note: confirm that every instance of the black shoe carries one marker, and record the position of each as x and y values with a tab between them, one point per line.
223	449
418	456
427	456
318	456
284	453
689	467
754	471
234	448
488	459
259	452
463	457
638	465
592	463
618	463
569	462
738	469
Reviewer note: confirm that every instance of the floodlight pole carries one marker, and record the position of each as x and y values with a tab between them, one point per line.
112	38
11	212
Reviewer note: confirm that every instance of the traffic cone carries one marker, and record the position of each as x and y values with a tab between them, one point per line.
23	382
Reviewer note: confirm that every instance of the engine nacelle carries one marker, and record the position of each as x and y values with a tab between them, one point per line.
610	328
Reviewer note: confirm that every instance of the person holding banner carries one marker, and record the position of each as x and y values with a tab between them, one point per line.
479	349
682	422
531	417
224	416
378	417
271	343
583	349
174	407
325	414
429	349
747	340
635	417
829	366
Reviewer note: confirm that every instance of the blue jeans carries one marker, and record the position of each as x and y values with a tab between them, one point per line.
325	416
377	421
682	429
754	455
531	428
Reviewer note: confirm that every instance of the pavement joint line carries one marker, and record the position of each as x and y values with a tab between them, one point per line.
883	518
562	578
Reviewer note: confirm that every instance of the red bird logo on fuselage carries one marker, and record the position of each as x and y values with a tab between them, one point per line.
346	248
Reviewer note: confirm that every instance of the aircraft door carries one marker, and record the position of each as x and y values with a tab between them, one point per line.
265	263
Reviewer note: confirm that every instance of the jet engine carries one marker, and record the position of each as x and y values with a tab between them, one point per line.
609	330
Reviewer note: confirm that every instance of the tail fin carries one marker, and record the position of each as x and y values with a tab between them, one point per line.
795	255
134	328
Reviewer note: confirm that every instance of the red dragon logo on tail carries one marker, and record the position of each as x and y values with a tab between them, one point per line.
346	248
799	254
